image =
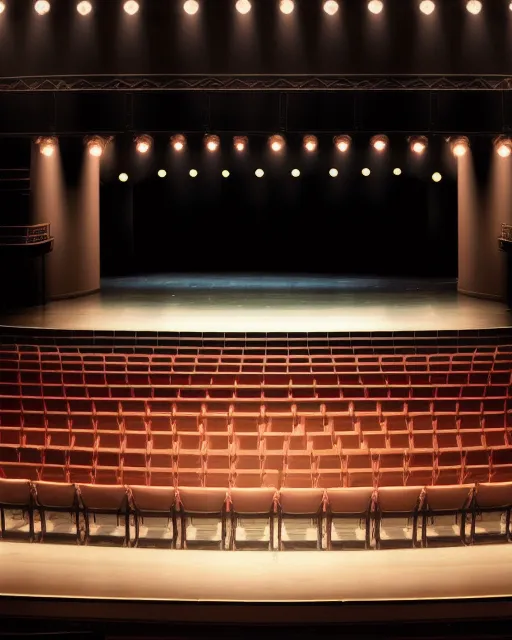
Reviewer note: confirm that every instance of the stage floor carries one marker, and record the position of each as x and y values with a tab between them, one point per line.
288	304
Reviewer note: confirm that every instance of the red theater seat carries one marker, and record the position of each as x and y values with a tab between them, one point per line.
398	502
343	504
153	502
200	503
447	501
104	499
300	503
256	503
57	497
16	494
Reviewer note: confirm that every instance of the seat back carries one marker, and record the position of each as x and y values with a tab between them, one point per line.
399	499
489	495
301	501
56	494
16	492
449	497
350	500
103	497
252	500
152	498
201	499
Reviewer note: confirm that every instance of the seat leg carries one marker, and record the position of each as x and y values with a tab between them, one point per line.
271	533
2	522
424	541
87	528
137	530
77	520
174	529
232	533
329	532
183	544
279	531
507	525
415	530
42	515
31	524
126	542
378	524
319	533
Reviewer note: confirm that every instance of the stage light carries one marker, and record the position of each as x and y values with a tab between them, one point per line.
366	172
123	177
259	173
286	6
84	8
240	143
95	146
193	173
460	146
333	173
191	7
418	144
331	7
178	142
342	143
295	173
427	7
131	7
143	143
243	6
510	6
397	171
42	7
212	143
437	177
277	143
474	6
310	143
2	6
379	143
225	173
47	146
503	146
162	173
375	6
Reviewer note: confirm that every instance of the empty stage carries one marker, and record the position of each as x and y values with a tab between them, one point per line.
267	304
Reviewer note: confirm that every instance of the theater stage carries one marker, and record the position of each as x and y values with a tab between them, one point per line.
251	303
463	581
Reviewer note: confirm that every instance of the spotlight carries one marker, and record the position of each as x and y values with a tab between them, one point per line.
418	144
342	143
375	6
240	143
333	173
212	143
123	177
84	8
162	173
295	173
366	172
503	146
259	173
178	142
310	143
460	146
437	177
243	6
474	6
143	143
286	6
2	6
397	171
427	7
331	7
510	6
191	7
47	146
95	146
131	7
379	143
225	173
42	7
277	143
193	173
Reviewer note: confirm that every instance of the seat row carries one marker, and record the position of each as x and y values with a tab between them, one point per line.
324	507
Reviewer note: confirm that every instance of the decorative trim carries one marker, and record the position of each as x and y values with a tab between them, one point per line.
284	83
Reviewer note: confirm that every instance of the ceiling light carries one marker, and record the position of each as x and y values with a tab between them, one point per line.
123	177
379	143
459	146
342	143
143	143
212	143
375	6
191	7
259	173
42	7
474	6
397	171
427	7
331	7
2	6
437	177
240	143
131	7
286	6
225	173
277	143
178	142
162	173
193	173
295	173
310	143
366	172
47	146
243	6
84	8
95	146
333	173
418	144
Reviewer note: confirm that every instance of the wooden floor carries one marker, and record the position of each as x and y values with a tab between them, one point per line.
267	304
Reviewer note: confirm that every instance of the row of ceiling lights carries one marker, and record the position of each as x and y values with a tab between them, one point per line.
277	143
331	7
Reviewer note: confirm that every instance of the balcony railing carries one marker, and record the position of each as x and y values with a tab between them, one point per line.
25	235
506	232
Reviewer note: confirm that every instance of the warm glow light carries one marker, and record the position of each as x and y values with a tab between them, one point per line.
178	142
2	6
366	172
95	150
84	8
162	173
225	173
510	6
437	177
427	7
123	177
331	7
503	146
276	143
397	171
379	143
240	143
295	173
143	143
460	147
243	6
286	6
375	6
191	7
333	173
418	144
95	146
310	143
474	6
193	173
131	7
418	147
47	146
259	173
342	143
504	151
42	7
212	143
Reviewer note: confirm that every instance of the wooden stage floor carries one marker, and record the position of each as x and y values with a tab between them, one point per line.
267	304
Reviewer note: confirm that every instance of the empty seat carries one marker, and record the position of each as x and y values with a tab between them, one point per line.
16	494
104	500
390	467
446	501
251	504
57	497
398	502
300	503
153	502
492	498
200	503
344	504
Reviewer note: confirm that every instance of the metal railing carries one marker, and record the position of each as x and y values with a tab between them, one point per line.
27	234
506	232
